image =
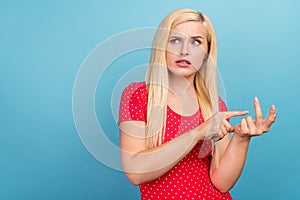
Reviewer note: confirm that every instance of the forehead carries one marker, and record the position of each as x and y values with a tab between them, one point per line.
190	29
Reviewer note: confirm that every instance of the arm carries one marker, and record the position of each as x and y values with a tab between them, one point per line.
232	162
142	164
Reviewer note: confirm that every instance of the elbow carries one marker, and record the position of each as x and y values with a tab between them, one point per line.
221	186
135	179
131	172
222	189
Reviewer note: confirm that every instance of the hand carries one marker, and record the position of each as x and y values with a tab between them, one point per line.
249	127
217	126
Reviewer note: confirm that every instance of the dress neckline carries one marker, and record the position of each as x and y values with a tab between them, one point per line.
186	116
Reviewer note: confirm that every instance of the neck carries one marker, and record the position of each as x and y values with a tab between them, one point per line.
181	85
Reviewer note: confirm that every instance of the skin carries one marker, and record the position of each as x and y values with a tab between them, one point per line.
142	164
187	41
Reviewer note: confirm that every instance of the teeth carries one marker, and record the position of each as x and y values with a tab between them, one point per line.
184	62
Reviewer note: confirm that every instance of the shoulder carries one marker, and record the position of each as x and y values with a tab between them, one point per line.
138	86
133	105
135	88
135	92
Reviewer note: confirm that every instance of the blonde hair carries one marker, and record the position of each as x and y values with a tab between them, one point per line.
156	79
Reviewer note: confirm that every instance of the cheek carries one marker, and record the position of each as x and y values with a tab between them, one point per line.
173	50
170	58
198	57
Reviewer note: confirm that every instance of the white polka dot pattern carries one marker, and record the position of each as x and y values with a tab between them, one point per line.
133	106
189	179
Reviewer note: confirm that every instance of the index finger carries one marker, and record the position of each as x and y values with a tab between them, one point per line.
234	113
258	114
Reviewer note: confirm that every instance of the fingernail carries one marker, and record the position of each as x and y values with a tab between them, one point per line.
256	99
273	107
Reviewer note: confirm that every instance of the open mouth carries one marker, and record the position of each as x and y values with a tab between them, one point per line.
183	62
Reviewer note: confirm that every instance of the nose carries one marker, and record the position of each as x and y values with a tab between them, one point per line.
184	49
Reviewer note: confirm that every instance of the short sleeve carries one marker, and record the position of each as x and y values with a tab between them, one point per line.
133	104
222	105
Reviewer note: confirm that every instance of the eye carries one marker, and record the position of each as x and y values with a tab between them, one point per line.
174	40
196	42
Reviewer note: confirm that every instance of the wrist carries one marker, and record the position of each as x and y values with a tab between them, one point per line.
199	133
241	138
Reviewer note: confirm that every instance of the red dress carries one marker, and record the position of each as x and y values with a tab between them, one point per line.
189	178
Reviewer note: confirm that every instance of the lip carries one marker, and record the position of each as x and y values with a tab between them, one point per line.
183	63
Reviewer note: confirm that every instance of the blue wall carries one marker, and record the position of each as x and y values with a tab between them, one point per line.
43	45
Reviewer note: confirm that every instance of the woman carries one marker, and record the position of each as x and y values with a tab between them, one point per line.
174	129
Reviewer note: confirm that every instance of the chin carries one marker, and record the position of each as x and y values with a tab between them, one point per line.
183	72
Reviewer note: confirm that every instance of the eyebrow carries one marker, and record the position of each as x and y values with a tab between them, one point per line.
193	37
175	36
197	36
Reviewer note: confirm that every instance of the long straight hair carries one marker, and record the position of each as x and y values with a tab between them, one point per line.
156	79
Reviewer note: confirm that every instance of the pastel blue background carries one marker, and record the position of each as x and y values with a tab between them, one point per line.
43	44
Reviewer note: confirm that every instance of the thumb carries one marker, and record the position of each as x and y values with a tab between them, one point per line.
232	128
